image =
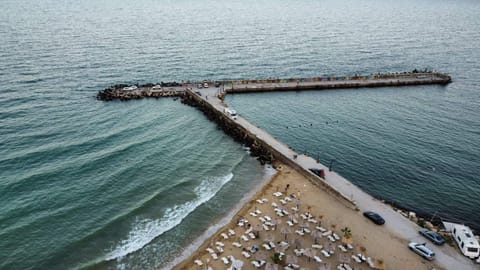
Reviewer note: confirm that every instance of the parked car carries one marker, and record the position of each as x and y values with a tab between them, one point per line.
376	218
205	85
436	238
422	250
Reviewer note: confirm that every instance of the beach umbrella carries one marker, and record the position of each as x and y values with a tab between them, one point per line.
285	231
261	256
237	264
268	238
271	266
310	253
280	248
343	258
304	225
257	228
292	259
298	243
316	235
276	222
324	266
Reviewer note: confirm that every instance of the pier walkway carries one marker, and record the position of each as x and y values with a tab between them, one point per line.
222	87
446	256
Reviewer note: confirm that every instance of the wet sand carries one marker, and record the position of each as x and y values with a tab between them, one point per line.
386	250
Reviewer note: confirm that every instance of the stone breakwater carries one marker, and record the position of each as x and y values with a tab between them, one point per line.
222	87
127	92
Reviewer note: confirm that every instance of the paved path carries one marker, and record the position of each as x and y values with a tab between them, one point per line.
446	256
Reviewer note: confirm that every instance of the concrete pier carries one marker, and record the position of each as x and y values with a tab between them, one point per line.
207	96
126	92
268	148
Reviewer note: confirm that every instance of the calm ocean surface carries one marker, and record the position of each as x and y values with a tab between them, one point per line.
86	184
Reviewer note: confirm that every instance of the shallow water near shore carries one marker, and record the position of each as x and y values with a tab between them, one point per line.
86	184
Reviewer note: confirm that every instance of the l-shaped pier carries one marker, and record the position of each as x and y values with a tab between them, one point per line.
208	97
222	87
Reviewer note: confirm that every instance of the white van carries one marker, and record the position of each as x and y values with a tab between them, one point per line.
466	241
231	112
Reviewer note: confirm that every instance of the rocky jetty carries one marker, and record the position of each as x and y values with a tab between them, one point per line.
127	92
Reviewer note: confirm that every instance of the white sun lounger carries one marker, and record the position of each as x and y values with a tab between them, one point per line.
299	232
346	266
252	235
277	194
198	262
268	218
295	209
317	259
248	231
307	230
220	244
311	220
287	199
259	201
356	259
330	237
349	246
327	233
303	216
220	249
258	264
253	214
370	262
214	256
237	244
244	238
317	246
295	266
325	253
210	250
290	223
264	200
274	204
342	248
283	201
285	212
336	236
224	235
262	219
265	227
231	232
267	247
321	229
246	254
298	252
225	260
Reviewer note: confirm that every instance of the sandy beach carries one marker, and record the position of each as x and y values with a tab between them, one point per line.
304	224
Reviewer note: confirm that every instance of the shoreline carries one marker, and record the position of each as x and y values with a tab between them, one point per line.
239	209
269	173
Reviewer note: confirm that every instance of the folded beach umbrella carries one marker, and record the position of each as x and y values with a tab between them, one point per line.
268	238
285	231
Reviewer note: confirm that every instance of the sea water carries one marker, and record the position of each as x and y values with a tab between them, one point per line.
130	185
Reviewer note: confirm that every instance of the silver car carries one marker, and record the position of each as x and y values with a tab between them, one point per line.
422	250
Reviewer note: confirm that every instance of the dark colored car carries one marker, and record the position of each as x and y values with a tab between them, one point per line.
422	250
376	218
436	238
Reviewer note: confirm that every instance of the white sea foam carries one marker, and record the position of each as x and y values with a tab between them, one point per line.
144	231
268	172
